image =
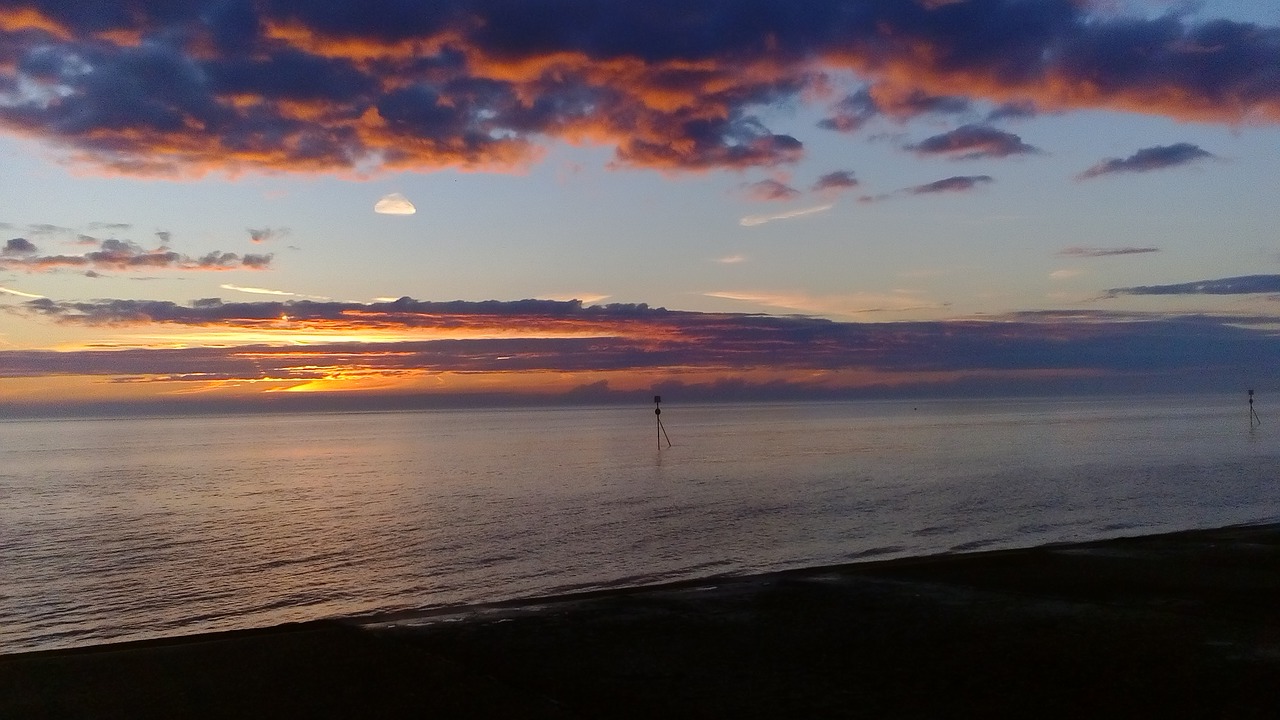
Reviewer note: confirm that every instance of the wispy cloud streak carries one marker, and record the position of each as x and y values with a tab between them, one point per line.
19	293
752	220
267	291
1093	252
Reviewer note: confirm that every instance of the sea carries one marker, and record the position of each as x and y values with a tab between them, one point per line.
116	529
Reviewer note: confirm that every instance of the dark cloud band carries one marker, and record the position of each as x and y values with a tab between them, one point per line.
153	87
114	254
1244	285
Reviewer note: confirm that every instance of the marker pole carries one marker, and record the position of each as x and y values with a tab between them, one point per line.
657	412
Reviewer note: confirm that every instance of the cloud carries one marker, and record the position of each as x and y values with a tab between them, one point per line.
1147	159
19	246
261	235
402	312
394	204
752	220
584	298
1244	285
769	190
114	254
674	85
1012	111
971	142
43	229
18	293
889	100
954	184
835	181
731	259
958	183
1093	252
846	305
342	345
266	291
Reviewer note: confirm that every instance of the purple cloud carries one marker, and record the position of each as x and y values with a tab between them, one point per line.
958	183
769	190
971	142
115	254
19	246
856	110
1243	285
1148	159
261	235
838	180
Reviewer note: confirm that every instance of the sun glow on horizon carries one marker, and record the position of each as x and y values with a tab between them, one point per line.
285	337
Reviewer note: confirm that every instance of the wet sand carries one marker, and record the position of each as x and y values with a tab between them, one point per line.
1179	625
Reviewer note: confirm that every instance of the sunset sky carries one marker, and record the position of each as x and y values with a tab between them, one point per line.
711	198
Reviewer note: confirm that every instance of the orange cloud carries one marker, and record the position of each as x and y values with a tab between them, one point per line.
20	19
678	86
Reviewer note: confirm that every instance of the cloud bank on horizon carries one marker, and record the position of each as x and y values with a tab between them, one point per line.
596	352
358	86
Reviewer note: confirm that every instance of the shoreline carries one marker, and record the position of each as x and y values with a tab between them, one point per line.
1172	623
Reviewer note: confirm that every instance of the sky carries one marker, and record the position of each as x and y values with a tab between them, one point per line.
351	203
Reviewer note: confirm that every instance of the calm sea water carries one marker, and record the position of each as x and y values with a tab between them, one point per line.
134	528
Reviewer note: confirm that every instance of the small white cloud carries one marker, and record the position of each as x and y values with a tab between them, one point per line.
1065	273
19	293
855	304
266	291
732	259
394	204
750	220
584	298
254	290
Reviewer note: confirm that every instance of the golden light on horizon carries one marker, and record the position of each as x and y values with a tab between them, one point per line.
302	336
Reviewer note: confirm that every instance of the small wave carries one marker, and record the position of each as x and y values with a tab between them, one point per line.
972	545
874	552
935	530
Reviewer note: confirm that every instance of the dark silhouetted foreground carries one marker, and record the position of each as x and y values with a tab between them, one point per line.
1182	625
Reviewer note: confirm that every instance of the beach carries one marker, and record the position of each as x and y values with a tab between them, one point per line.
1176	625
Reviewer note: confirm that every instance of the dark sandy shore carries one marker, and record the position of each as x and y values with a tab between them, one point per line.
1175	626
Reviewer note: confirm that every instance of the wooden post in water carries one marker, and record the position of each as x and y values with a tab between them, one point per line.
1254	420
657	411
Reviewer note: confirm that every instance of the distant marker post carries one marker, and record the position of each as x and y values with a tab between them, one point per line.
1254	420
657	411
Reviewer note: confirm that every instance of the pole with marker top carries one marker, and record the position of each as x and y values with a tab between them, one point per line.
657	411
